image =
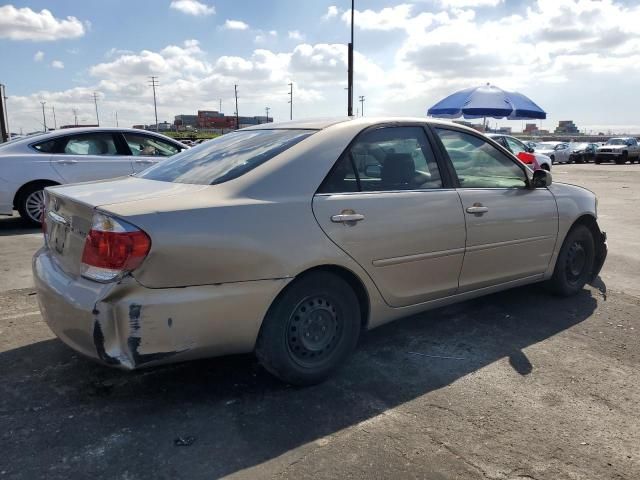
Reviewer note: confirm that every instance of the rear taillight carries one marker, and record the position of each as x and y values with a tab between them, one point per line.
113	248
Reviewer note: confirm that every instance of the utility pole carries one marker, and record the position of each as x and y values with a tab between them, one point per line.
154	84
361	98
55	123
5	132
267	110
235	89
350	68
220	110
75	116
44	118
117	124
95	101
291	101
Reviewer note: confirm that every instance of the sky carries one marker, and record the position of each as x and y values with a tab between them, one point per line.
578	59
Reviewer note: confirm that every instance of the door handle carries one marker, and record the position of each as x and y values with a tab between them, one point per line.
477	209
67	162
347	218
140	160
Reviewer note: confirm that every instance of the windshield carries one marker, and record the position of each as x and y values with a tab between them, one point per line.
226	157
617	141
546	146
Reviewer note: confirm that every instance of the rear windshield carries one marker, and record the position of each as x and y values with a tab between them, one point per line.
226	157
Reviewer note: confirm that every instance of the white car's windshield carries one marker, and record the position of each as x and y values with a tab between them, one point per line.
226	157
617	141
546	146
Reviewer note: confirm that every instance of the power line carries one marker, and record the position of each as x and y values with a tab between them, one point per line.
44	118
235	89
95	101
291	101
154	83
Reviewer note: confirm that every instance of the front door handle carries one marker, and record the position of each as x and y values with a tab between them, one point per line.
347	217
477	209
144	160
67	162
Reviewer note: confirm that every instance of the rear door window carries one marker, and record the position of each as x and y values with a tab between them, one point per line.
99	143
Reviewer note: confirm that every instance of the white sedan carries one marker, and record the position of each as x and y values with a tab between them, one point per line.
28	165
558	152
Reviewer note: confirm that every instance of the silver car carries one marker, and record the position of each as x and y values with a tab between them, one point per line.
288	240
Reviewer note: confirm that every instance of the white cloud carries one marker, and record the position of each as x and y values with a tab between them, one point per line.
235	25
296	35
470	3
57	64
389	18
332	11
39	56
192	7
26	24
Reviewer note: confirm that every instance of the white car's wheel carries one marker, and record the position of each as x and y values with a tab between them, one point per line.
30	203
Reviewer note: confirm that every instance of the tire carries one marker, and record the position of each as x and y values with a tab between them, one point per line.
623	160
310	329
29	203
575	262
553	158
597	161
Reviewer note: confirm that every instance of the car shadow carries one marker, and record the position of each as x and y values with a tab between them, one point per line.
62	408
11	226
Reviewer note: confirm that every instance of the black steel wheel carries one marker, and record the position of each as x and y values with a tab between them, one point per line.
310	329
574	266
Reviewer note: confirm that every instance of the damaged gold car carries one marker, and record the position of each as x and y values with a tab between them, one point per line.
288	240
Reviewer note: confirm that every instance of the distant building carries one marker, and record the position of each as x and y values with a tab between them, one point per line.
185	120
213	119
504	130
567	127
531	129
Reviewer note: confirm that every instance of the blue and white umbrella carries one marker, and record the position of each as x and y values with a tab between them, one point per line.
487	101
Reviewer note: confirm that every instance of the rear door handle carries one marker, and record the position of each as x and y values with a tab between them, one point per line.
144	160
477	209
347	218
67	162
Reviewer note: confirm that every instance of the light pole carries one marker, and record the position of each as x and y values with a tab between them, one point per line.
291	101
235	89
154	84
55	123
350	67
75	116
361	98
266	109
44	118
95	101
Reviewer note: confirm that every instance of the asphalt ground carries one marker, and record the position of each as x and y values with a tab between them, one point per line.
516	385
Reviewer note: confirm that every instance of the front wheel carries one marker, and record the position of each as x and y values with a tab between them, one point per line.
31	204
546	167
574	265
310	329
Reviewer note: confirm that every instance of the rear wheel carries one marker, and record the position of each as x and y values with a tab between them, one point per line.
575	262
310	329
30	203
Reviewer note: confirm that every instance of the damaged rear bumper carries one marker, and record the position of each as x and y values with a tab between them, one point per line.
127	325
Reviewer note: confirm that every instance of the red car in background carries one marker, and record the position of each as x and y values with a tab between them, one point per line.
535	161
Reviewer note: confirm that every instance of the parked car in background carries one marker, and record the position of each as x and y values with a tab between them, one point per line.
73	155
583	152
619	150
525	154
290	240
558	152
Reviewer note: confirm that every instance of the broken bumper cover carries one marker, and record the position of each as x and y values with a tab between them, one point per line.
127	325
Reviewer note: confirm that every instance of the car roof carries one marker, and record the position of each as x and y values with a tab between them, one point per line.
75	130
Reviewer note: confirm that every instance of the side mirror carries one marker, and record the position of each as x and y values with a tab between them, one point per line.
373	171
530	149
541	179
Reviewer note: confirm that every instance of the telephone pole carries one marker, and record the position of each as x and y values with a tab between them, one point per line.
5	132
291	101
44	118
266	109
350	68
220	110
117	124
235	89
55	123
75	115
361	98
95	101
154	83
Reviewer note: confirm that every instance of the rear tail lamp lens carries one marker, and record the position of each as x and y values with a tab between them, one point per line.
113	248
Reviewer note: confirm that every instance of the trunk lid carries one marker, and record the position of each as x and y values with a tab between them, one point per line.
70	211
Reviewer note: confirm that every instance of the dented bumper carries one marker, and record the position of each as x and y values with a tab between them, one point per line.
127	325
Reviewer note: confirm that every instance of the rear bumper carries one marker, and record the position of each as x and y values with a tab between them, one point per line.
129	326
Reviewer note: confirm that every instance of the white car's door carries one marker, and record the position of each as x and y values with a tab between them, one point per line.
147	150
83	157
562	152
